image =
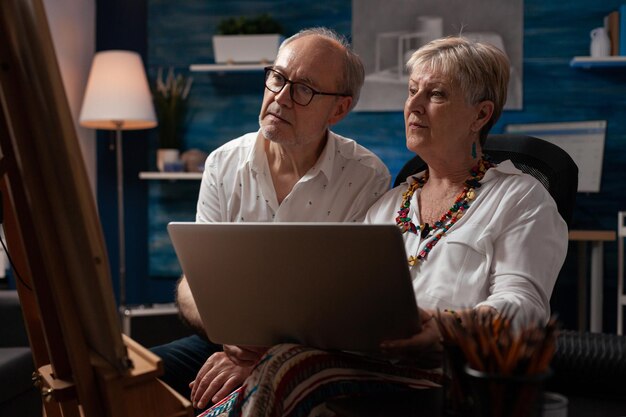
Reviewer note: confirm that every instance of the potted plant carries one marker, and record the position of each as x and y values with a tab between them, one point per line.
170	96
247	40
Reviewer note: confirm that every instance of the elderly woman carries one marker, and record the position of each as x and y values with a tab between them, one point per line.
477	235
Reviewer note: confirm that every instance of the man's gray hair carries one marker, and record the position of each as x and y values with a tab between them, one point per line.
353	71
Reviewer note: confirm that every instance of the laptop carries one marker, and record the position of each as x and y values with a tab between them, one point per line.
339	286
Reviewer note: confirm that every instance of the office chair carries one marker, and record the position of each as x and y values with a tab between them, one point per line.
548	163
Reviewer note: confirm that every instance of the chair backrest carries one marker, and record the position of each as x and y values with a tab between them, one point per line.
548	163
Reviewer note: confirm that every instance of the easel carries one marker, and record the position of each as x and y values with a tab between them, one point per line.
85	366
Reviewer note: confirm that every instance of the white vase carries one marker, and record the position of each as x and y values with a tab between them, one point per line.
167	156
600	44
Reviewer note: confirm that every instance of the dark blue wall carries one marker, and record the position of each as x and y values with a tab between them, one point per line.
121	24
224	106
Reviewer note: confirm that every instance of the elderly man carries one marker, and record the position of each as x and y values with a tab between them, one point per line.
293	169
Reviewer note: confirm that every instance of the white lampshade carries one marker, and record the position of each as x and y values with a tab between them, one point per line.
117	94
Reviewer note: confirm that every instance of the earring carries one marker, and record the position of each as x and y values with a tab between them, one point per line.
474	150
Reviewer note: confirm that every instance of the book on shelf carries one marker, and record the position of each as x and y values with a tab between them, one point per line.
612	26
622	29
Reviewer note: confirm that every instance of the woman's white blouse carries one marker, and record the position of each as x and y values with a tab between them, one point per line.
505	252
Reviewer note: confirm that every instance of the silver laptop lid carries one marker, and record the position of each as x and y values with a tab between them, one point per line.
328	285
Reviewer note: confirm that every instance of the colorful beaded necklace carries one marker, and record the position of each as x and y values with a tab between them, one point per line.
461	204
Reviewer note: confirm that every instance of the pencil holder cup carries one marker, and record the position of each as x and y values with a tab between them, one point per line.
498	395
554	405
457	400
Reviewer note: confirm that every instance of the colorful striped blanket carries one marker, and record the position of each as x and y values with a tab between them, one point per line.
293	380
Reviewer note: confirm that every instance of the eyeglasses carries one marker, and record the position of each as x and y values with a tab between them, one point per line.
300	93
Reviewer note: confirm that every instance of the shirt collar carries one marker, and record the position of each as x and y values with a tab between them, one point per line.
504	167
325	162
257	159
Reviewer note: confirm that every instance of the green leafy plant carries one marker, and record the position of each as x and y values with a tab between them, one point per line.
170	96
242	25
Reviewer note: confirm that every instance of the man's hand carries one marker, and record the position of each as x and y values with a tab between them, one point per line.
217	378
244	355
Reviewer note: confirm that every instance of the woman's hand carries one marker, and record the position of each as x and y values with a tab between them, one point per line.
244	355
423	348
217	378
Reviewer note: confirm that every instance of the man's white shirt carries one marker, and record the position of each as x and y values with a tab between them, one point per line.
237	184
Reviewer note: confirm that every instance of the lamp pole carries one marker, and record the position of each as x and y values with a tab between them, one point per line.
117	97
120	213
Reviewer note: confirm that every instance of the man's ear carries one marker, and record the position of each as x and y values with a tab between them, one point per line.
483	115
340	110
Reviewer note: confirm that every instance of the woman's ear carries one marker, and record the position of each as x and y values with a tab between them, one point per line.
483	115
341	109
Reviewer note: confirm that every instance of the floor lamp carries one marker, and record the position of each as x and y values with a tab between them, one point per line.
118	98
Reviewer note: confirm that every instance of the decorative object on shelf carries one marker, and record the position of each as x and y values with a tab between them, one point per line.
600	45
118	98
247	40
170	99
168	159
193	159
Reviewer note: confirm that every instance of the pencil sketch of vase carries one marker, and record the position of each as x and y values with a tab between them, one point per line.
397	28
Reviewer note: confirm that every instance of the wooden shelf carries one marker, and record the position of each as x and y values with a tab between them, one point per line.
587	62
227	67
592	235
170	175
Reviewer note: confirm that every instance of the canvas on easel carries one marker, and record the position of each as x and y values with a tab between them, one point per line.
582	140
55	238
